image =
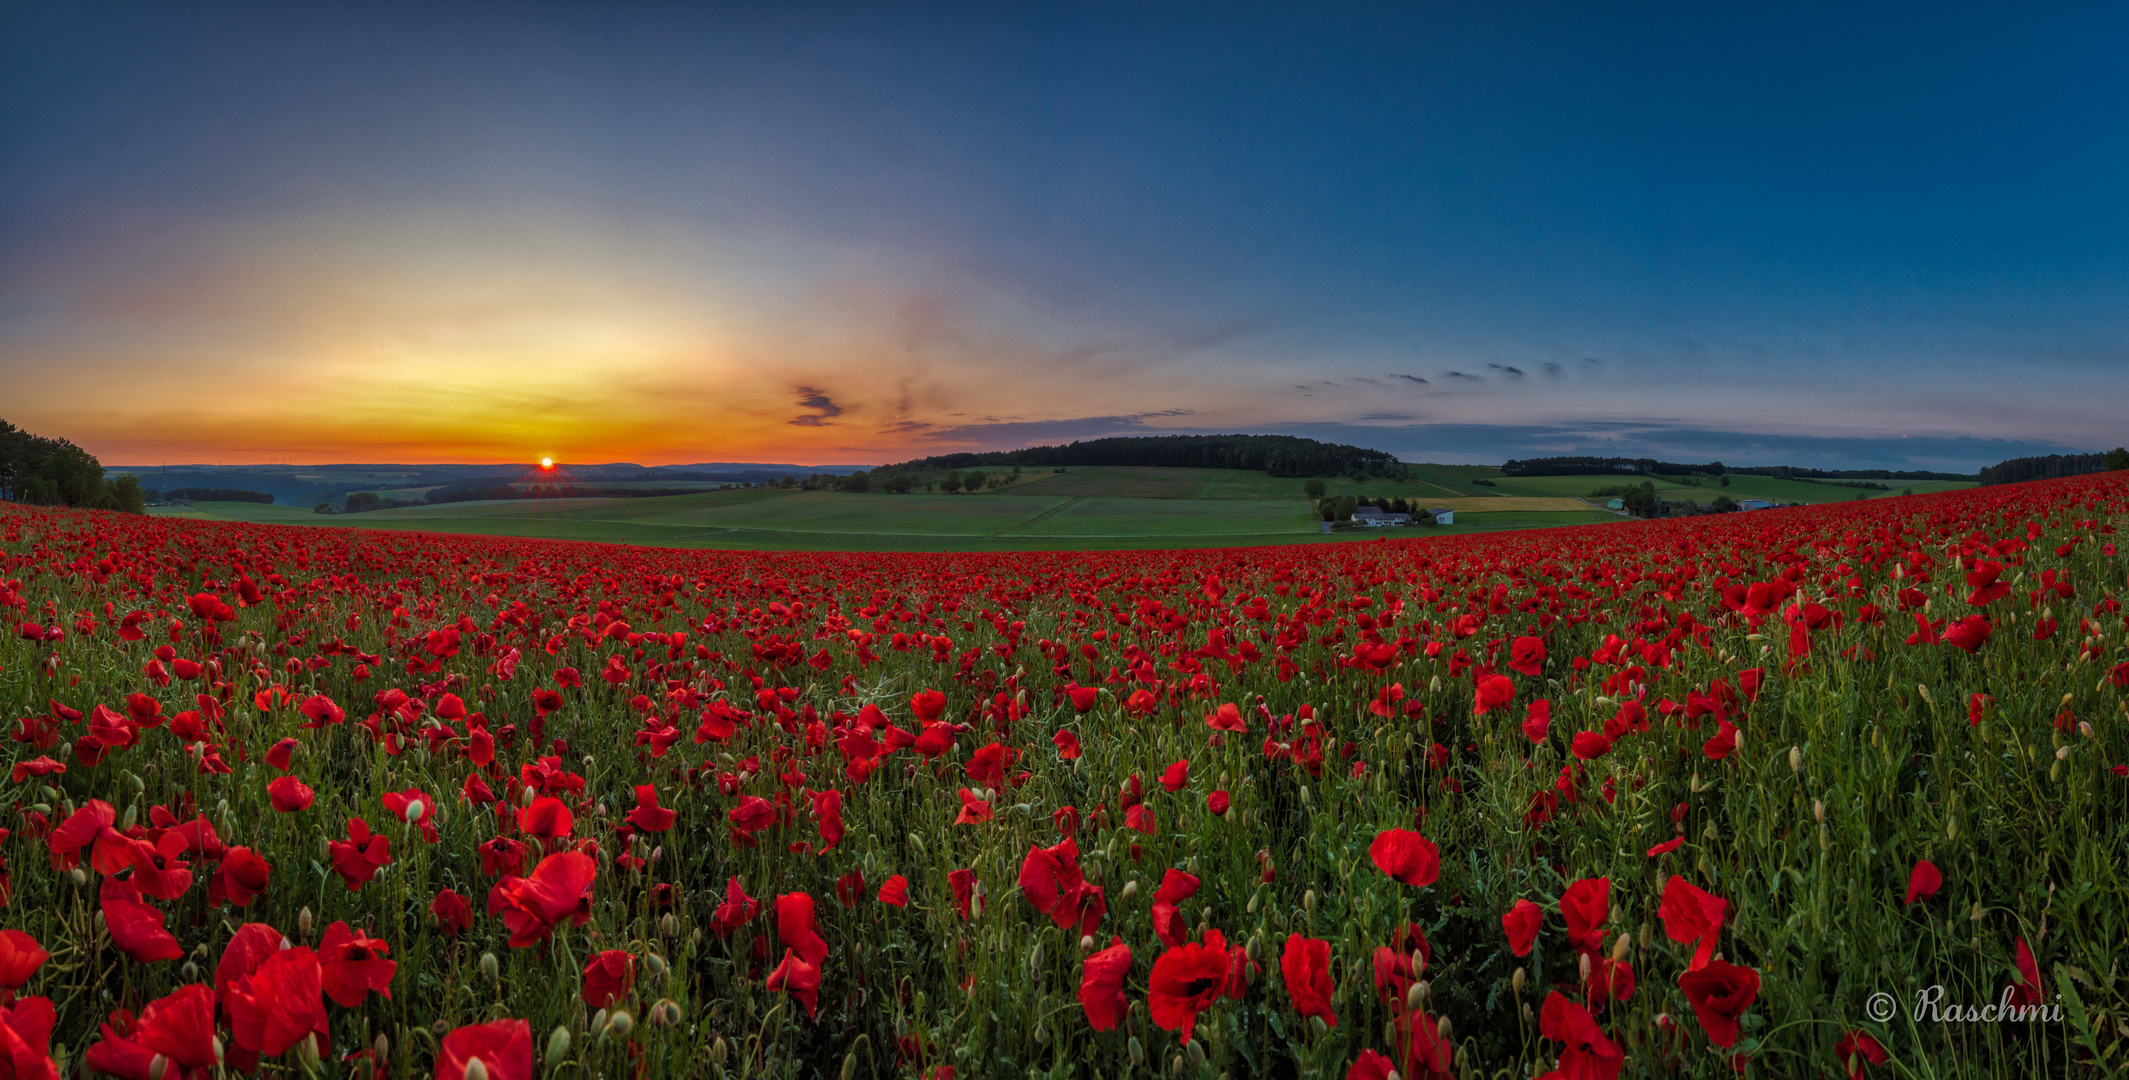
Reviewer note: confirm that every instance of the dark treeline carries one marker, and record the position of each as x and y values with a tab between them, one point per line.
2017	470
201	494
55	472
1583	466
1279	455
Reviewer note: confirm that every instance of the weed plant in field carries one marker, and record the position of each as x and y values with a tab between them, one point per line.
1790	793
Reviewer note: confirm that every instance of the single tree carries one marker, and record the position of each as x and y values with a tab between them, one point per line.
1312	487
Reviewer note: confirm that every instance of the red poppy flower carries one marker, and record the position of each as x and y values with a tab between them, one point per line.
752	815
90	827
1175	776
1186	980
20	957
2026	990
1228	717
1083	697
180	1027
1492	692
1067	745
358	859
974	811
895	891
928	705
1371	1066
648	815
41	766
1139	816
25	1039
1217	803
963	884
1666	847
799	979
795	927
1969	634
353	964
277	1004
1538	721
1101	985
1585	1051
559	888
1306	966
1720	992
1853	1049
1406	856
504	1049
828	807
289	794
502	857
135	927
608	978
1527	655
1522	923
1168	924
546	818
242	878
1591	745
1692	914
454	914
1924	882
1585	905
737	910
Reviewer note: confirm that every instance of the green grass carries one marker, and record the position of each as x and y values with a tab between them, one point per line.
1194	508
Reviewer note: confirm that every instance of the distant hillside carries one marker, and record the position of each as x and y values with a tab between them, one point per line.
308	485
1278	455
1588	466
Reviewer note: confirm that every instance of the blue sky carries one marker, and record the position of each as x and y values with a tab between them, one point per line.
832	233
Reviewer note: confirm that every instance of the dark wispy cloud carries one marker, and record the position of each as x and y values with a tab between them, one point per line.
1553	368
1388	416
824	407
1463	375
1410	378
1511	372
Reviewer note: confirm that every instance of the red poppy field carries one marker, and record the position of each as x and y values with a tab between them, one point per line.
1654	800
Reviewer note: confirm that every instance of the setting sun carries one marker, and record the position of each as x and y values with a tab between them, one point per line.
546	463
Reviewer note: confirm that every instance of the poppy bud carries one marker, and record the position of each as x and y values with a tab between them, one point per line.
475	1070
1086	944
1951	829
157	1065
1042	1038
1516	981
1796	760
1416	997
190	971
1924	692
1316	1023
381	1049
2084	727
850	1060
1434	686
125	823
1818	811
1130	888
668	925
1196	1050
415	810
1444	1029
1648	934
598	1022
654	964
524	797
303	923
307	1051
1583	959
1304	794
79	877
718	1051
1138	1051
620	1023
488	965
1308	901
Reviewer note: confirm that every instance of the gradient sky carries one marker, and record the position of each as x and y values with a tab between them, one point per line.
861	233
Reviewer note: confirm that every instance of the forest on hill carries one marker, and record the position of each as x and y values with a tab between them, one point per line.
1278	455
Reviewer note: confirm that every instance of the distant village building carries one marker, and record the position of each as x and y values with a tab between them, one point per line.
1375	517
1754	504
1444	517
1616	504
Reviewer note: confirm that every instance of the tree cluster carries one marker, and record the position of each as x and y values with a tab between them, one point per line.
2017	470
54	472
202	494
1278	455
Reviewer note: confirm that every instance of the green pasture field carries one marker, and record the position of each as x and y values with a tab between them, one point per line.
1167	483
1251	511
